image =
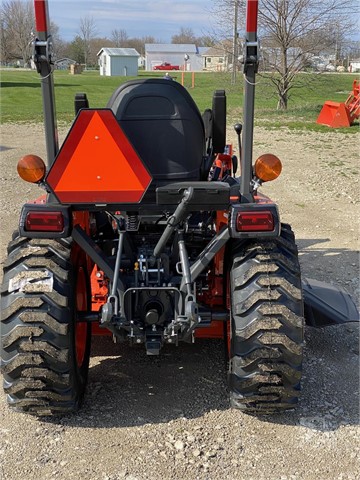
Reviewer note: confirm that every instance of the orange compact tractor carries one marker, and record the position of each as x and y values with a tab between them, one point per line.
146	233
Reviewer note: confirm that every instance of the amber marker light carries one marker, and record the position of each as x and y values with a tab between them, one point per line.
267	167
31	168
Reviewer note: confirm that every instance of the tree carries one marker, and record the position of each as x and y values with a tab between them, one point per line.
350	51
139	43
75	50
59	46
293	31
205	41
96	45
87	31
17	23
186	35
5	43
119	37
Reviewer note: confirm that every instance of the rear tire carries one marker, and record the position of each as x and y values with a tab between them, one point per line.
267	325
44	351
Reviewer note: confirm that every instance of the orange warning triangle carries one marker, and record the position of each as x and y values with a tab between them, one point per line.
97	163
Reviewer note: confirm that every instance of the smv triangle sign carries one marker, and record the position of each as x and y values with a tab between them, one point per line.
97	164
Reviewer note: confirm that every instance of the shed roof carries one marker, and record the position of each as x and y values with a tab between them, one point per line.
171	47
215	52
219	49
119	52
65	59
203	50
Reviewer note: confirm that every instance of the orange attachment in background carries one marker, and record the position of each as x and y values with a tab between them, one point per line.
334	115
343	114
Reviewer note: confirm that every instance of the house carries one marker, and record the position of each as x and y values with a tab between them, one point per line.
219	57
354	65
64	63
173	53
215	59
118	61
141	62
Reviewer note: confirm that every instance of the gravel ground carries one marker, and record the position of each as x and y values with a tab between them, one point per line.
168	417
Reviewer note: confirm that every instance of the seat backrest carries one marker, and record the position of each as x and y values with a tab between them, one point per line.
165	127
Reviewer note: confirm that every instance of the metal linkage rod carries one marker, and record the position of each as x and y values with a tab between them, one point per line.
184	260
206	256
174	221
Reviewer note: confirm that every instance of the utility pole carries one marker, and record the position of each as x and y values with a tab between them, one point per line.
235	37
337	44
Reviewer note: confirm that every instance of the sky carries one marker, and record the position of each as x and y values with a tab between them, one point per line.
159	18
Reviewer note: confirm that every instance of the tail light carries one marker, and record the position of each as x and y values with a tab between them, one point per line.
255	221
44	222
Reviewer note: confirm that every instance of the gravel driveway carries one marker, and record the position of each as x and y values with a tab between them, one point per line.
168	417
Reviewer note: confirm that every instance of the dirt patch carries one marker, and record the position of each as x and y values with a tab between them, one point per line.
168	418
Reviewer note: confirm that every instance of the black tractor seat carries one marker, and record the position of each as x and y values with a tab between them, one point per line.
165	127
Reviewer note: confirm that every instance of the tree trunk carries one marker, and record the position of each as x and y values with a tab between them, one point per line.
282	101
283	85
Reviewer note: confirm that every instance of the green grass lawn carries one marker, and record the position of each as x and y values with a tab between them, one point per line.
21	96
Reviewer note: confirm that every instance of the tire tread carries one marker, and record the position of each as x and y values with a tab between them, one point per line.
267	325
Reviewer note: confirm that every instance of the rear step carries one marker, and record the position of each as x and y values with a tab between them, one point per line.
327	304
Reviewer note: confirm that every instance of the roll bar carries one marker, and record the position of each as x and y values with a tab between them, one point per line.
250	67
43	61
42	58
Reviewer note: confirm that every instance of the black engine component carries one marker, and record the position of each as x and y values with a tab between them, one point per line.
81	101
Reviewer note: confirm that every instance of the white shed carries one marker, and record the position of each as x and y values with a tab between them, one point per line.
118	61
354	65
173	53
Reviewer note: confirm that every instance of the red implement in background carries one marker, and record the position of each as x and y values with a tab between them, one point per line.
343	114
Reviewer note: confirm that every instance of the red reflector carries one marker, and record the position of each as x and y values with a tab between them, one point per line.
40	15
255	222
44	222
251	16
